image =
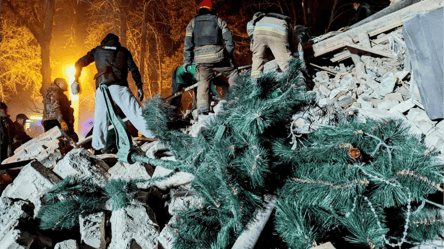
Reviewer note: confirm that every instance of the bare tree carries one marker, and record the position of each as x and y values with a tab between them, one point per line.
38	17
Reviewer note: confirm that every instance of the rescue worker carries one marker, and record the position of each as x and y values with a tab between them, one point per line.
272	31
5	133
363	10
57	110
113	62
19	134
204	44
181	79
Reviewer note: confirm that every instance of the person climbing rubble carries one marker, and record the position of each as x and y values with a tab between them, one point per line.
19	134
113	62
181	79
57	110
272	31
204	44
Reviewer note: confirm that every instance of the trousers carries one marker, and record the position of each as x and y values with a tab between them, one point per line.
125	100
280	48
205	74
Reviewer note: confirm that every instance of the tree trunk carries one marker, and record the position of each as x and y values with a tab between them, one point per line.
143	43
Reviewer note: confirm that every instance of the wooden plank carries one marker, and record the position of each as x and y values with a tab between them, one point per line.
343	56
375	27
364	40
341	53
373	51
323	68
387	28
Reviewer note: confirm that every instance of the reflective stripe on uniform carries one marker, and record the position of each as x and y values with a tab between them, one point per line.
189	34
255	73
271	30
271	27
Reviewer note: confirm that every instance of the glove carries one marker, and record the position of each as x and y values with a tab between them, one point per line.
140	93
75	87
64	126
185	67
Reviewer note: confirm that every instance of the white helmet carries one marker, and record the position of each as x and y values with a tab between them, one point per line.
61	83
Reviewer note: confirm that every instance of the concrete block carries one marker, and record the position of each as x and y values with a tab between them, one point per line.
434	139
387	85
219	108
345	101
179	204
81	163
403	106
177	179
324	91
92	230
11	211
401	74
135	222
202	122
324	102
17	239
394	96
365	104
386	105
424	126
166	237
348	82
136	171
33	181
155	147
322	76
67	244
416	114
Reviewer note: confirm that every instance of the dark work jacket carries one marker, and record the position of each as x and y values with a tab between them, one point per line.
120	59
19	135
57	106
5	138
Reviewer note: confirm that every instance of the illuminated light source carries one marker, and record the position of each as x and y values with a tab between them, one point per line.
35	117
71	71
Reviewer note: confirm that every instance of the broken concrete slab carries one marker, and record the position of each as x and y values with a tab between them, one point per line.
324	91
403	106
177	179
393	96
33	181
179	204
81	163
324	102
388	83
166	237
136	171
42	147
155	148
345	101
386	105
17	239
67	244
416	114
11	211
135	222
434	139
92	230
348	82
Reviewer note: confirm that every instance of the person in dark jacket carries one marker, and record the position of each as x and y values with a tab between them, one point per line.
5	130
204	44
113	62
363	10
19	134
57	110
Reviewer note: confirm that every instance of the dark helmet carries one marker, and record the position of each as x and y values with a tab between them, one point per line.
3	106
61	83
21	115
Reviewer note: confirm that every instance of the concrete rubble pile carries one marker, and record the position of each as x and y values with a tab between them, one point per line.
378	85
136	226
